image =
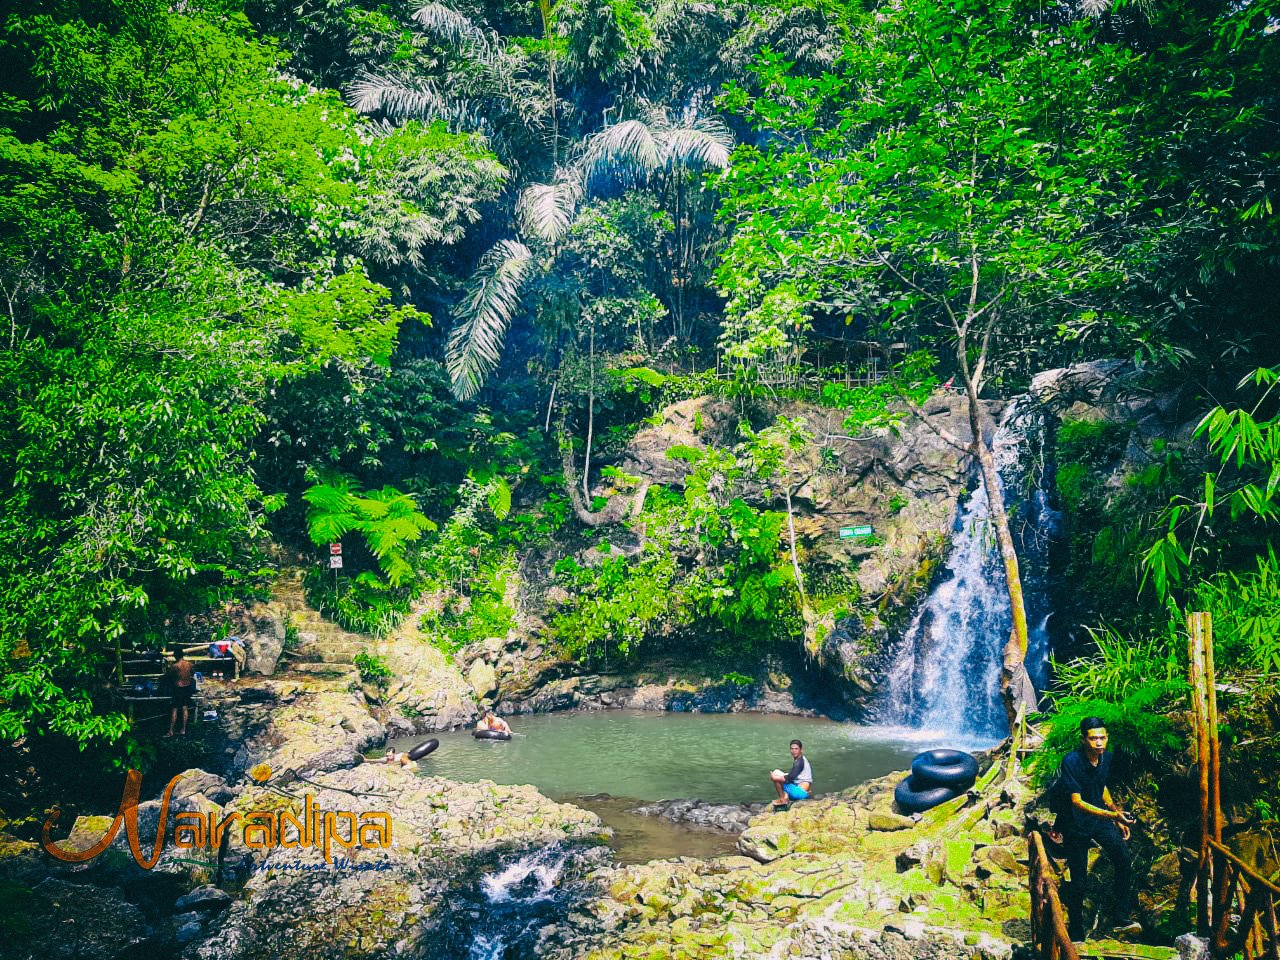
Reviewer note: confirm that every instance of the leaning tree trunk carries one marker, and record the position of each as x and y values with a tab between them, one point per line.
615	511
1016	688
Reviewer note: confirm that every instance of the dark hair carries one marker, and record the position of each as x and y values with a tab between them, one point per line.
179	653
797	743
1091	723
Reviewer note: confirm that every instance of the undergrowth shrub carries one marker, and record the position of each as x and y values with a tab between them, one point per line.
1131	685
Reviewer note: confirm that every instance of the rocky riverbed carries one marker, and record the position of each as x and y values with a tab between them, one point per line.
828	874
843	875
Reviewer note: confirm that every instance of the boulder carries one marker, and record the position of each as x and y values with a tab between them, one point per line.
889	821
483	679
207	898
264	638
1191	947
428	692
311	727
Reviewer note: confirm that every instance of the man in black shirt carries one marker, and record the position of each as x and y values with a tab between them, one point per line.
1092	816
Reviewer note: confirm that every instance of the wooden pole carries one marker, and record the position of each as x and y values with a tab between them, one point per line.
1211	688
1200	708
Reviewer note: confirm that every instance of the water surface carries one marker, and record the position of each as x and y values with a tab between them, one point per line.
632	757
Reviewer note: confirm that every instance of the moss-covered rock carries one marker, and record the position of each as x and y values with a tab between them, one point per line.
821	883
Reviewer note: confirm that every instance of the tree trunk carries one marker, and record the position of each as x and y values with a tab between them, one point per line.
612	512
795	560
591	413
1016	688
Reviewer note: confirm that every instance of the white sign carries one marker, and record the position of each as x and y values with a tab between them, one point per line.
335	563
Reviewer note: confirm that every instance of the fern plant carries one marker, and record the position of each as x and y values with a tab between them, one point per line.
387	519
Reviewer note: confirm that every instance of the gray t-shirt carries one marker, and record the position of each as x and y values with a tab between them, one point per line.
800	771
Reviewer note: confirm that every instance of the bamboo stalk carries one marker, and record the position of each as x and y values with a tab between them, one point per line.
1195	661
1211	689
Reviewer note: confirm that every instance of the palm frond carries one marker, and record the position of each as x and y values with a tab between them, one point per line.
448	24
371	93
705	144
478	44
475	345
627	152
546	210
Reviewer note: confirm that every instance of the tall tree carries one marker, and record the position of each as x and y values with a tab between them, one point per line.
962	173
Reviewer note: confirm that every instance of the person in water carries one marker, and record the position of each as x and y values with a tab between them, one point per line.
401	758
798	782
182	676
1092	816
493	722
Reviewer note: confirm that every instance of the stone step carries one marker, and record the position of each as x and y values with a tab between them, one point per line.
321	655
324	668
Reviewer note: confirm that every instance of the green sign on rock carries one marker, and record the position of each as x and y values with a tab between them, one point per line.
848	533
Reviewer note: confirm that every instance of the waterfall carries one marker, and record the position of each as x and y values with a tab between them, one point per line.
945	674
502	911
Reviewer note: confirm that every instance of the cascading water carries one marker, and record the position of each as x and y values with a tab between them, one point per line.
503	914
946	672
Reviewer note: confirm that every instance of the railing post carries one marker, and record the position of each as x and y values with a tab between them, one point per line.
1204	702
1048	921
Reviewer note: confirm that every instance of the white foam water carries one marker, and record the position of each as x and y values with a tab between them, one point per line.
945	676
542	867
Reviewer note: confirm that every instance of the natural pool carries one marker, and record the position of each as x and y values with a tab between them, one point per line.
608	761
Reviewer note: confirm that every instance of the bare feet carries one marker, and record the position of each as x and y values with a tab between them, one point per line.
168	735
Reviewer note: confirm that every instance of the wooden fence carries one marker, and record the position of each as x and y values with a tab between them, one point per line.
1236	906
1049	933
1243	909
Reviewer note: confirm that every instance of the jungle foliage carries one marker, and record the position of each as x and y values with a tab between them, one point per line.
409	276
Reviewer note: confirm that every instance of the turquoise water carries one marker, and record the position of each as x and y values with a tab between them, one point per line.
720	758
611	761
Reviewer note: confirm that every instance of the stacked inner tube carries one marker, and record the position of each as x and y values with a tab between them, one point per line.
936	777
490	735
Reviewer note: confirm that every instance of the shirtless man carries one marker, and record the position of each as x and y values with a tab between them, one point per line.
182	675
491	721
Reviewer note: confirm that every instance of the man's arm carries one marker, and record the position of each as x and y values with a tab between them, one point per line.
1110	814
794	772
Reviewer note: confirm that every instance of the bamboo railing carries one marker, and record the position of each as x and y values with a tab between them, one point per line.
1239	916
1049	934
1243	910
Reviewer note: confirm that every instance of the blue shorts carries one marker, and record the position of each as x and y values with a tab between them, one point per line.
794	791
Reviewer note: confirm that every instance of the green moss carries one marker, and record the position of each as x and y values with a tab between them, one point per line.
1071	482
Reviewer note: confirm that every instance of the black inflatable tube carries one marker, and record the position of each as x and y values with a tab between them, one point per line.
490	735
422	749
944	768
913	800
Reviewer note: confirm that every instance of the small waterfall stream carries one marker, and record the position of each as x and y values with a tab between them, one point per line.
945	675
503	913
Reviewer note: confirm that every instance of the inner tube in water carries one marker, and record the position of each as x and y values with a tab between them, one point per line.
944	768
422	749
490	735
913	799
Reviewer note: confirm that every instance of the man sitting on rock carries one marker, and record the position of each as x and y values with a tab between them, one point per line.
492	722
795	784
